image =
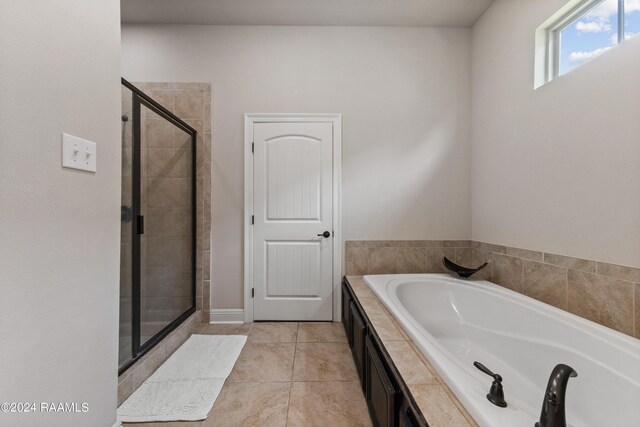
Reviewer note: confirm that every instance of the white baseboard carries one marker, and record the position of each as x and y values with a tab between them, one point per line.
117	424
226	315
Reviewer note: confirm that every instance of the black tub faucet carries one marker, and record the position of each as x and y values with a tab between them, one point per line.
553	413
496	393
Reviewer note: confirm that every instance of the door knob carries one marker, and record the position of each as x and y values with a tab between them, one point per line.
326	235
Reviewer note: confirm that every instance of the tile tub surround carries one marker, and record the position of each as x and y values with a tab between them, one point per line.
435	400
281	379
604	293
164	170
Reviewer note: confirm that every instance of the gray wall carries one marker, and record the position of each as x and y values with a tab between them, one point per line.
59	229
404	96
554	169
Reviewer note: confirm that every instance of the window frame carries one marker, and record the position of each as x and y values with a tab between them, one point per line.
566	19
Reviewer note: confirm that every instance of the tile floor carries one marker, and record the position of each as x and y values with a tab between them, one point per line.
288	374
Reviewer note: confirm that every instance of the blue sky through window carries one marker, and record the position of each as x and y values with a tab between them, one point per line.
631	17
595	32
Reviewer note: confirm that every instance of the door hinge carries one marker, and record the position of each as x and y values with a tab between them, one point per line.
253	293
253	219
253	145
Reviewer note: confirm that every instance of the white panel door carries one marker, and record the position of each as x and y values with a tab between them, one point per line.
293	207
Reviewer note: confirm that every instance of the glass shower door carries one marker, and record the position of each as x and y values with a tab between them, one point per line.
166	250
157	273
126	232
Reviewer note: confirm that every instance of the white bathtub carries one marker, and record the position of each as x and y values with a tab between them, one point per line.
456	322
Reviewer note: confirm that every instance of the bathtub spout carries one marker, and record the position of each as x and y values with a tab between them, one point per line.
553	405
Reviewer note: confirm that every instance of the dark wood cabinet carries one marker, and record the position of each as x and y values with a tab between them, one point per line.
346	314
381	394
359	333
407	418
388	398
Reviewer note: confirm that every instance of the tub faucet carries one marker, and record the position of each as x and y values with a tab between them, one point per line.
553	413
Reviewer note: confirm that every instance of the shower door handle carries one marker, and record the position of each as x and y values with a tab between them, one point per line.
140	224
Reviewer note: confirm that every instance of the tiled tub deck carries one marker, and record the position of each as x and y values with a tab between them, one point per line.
435	400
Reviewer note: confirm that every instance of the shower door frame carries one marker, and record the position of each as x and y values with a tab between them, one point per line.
139	349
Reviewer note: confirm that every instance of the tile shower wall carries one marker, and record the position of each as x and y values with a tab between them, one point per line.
163	169
165	174
604	293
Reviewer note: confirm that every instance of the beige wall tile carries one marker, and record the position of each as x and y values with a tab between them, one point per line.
456	243
490	247
411	260
619	272
602	299
152	361
636	299
570	262
507	271
356	260
546	283
525	254
157	133
382	260
479	257
190	104
427	243
434	259
126	387
464	256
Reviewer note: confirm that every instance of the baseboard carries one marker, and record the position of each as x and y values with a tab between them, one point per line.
117	424
226	315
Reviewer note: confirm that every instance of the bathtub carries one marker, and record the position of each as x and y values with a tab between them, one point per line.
456	322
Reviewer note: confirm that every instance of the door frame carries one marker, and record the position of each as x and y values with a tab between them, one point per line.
249	120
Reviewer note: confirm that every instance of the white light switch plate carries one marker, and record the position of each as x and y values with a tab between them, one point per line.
78	153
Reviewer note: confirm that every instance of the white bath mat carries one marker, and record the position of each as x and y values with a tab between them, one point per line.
185	387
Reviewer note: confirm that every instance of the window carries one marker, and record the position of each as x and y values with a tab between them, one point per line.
582	30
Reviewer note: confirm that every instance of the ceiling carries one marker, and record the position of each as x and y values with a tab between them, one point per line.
428	13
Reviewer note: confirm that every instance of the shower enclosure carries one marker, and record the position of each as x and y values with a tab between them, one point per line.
158	222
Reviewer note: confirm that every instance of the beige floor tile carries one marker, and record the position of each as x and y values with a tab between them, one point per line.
250	404
323	362
321	332
273	332
263	362
226	329
325	404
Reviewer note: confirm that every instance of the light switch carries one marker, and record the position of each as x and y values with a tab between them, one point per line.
78	153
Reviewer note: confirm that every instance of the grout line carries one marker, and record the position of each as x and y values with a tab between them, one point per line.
286	422
566	290
293	365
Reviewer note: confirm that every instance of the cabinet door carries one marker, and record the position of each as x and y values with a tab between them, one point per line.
359	331
346	314
406	419
381	394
